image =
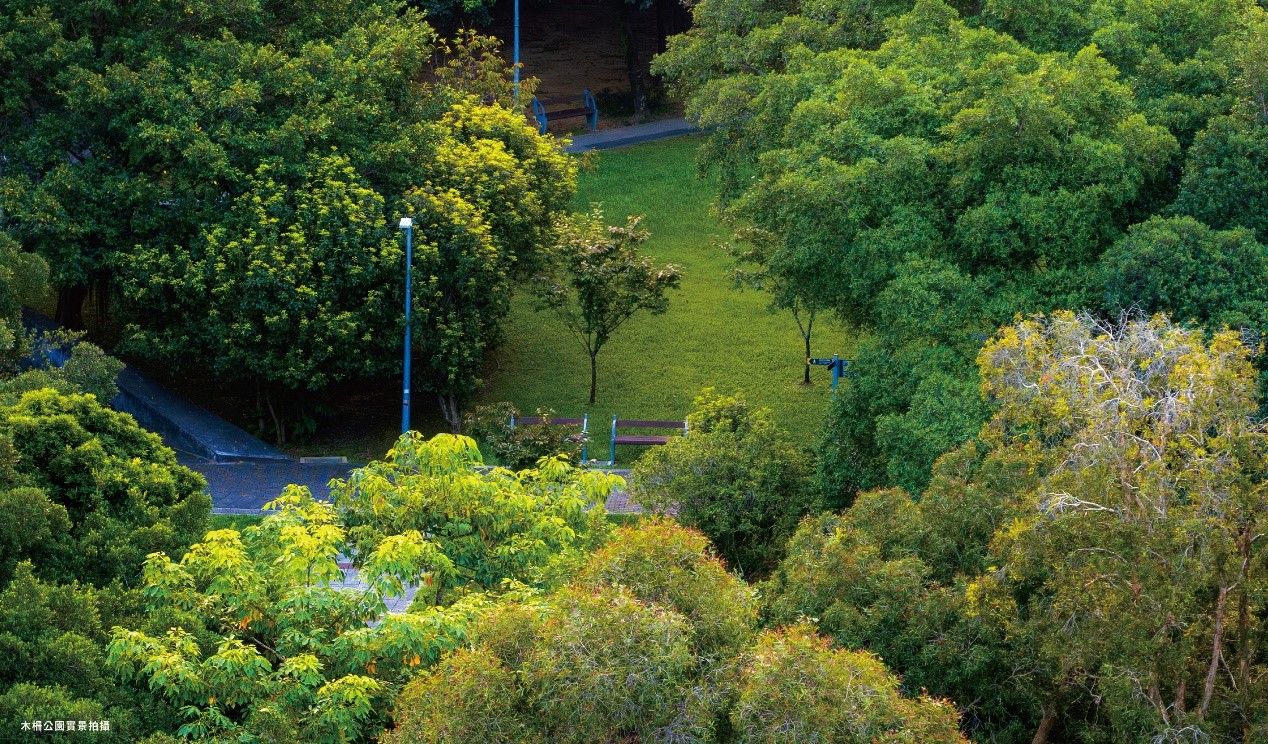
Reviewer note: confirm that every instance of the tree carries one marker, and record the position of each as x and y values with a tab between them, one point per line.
599	280
88	492
783	294
293	659
734	476
796	688
1072	574
655	641
882	164
486	526
1178	264
868	141
23	278
259	633
1143	521
227	177
280	292
640	644
54	661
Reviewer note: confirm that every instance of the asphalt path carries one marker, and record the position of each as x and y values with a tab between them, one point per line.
606	139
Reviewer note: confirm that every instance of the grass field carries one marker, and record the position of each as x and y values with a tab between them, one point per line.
712	335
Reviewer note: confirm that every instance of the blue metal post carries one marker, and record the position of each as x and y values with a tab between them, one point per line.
836	371
612	450
408	225
516	54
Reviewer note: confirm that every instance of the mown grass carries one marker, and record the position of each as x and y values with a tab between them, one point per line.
237	522
712	335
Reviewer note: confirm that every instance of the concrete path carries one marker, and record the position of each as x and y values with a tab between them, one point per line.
606	139
244	487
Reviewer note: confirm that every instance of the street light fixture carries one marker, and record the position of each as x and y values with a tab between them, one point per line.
407	224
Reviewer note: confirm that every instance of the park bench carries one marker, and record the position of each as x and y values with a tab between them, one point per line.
581	436
642	440
589	109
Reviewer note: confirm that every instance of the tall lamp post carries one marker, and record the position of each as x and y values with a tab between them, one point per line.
515	59
407	224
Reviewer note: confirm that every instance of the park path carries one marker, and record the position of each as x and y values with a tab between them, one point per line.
606	139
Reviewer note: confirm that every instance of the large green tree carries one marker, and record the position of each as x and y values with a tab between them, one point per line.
88	493
986	154
229	174
734	476
1089	568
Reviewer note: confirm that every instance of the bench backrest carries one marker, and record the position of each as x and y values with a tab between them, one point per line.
638	424
534	420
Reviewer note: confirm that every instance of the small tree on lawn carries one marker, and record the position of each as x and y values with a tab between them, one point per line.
752	253
599	280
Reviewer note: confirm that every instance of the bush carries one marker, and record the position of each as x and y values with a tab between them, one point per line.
796	689
522	445
735	476
91	492
669	565
470	697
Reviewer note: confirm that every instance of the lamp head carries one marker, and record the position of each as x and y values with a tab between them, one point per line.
407	222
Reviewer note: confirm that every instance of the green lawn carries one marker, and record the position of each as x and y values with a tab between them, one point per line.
711	336
237	522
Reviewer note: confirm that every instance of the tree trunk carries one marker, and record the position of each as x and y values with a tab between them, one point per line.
449	409
633	62
70	307
1045	725
662	25
278	428
806	378
594	375
1217	643
1243	621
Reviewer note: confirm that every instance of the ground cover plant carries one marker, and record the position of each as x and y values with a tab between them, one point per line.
710	335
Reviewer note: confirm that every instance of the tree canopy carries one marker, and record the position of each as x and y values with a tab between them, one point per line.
1073	572
964	163
228	177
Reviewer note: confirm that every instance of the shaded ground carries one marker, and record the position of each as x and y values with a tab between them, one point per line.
571	45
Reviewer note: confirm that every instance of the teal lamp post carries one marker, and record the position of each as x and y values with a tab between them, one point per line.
407	224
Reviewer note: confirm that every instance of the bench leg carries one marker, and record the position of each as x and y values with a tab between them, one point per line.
612	449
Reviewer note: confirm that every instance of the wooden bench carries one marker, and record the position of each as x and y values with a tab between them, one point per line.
589	109
583	422
641	440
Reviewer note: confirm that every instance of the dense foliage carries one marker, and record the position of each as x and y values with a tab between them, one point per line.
87	493
909	162
281	632
231	175
515	443
1088	569
655	641
734	476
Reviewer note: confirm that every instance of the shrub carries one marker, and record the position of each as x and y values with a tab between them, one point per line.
735	476
522	445
796	689
92	492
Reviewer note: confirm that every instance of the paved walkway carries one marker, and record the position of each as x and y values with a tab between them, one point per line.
606	139
244	487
